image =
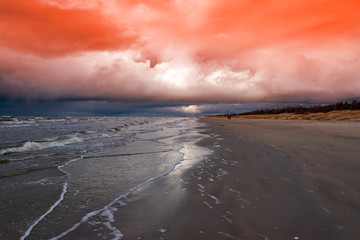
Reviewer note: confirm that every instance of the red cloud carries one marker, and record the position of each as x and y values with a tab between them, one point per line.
48	30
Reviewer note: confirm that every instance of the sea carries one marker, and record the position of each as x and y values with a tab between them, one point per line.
59	173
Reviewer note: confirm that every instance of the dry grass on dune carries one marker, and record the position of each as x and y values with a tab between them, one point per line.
333	115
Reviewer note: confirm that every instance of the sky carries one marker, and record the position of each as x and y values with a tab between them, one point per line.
184	56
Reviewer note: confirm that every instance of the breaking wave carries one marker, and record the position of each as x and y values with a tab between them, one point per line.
33	146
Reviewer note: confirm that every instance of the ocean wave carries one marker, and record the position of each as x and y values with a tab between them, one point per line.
15	123
34	146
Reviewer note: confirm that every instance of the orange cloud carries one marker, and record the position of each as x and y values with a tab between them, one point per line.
191	50
49	30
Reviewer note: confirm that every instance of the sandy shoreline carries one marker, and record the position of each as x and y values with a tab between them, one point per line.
267	179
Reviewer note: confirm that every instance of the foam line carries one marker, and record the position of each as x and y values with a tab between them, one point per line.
226	218
207	204
67	163
215	198
228	235
109	206
27	233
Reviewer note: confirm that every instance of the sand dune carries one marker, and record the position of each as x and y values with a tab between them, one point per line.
333	115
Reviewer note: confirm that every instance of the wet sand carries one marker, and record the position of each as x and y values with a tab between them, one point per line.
266	179
20	201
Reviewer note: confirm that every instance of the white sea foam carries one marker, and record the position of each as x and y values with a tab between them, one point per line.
325	209
207	204
33	146
221	172
226	218
238	195
262	235
67	163
215	198
9	122
27	233
43	182
202	188
228	235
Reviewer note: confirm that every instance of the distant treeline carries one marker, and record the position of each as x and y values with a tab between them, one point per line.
354	105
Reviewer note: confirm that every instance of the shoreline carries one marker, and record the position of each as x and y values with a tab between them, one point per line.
257	185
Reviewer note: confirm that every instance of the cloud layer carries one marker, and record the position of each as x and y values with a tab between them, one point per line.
193	51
